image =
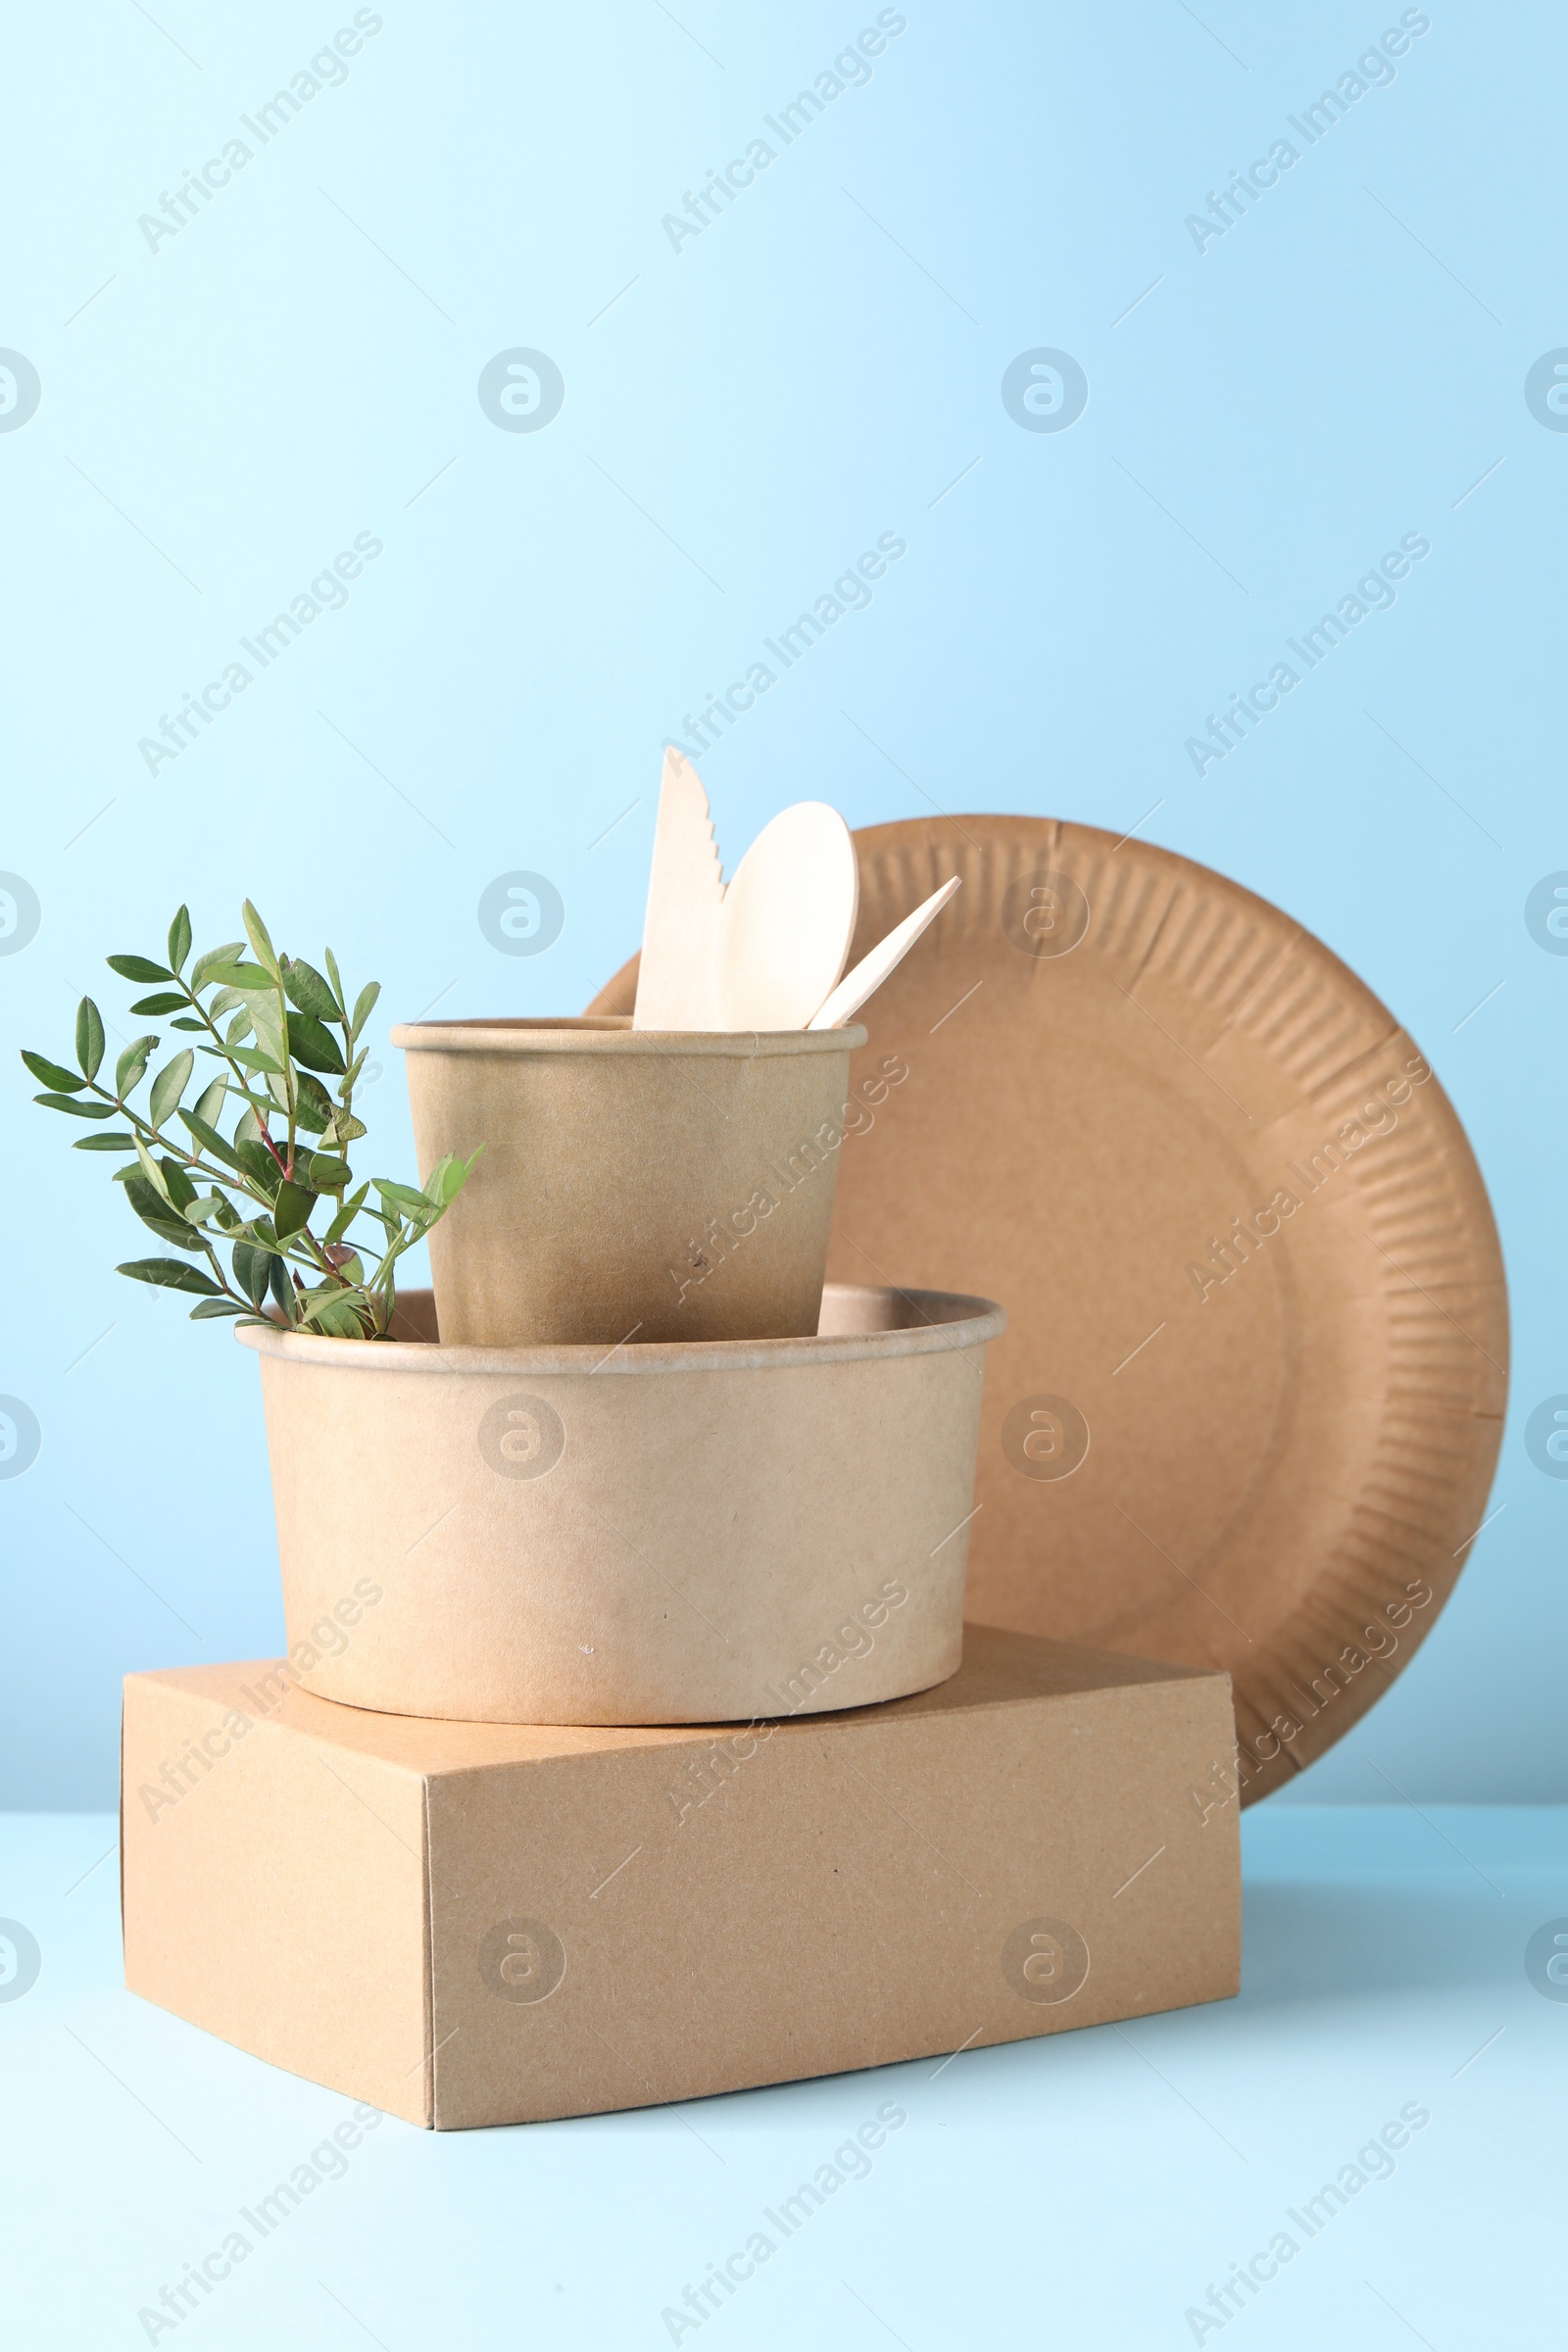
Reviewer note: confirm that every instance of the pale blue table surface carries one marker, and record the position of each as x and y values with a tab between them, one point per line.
1083	2191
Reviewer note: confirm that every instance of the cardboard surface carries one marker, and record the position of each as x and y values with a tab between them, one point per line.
1249	1400
473	1924
674	1533
642	1184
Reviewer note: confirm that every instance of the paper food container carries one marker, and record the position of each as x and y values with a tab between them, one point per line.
634	1184
703	1531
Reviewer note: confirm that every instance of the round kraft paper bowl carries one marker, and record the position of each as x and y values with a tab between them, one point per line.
1249	1405
667	1186
699	1533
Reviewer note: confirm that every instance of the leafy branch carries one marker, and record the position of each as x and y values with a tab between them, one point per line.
278	1027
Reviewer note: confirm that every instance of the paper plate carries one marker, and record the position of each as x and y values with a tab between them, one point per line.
1249	1403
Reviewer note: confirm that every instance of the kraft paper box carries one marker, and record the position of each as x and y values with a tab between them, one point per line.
479	1924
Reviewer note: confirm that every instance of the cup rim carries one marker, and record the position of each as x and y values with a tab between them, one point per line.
612	1032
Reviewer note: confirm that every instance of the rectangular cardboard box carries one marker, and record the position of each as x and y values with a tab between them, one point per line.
472	1923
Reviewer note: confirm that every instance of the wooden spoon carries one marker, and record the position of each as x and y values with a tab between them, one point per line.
786	922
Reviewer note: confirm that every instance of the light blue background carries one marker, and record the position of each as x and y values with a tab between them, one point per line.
299	366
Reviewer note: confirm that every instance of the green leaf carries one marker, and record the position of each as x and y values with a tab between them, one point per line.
268	1028
261	1107
180	939
167	1274
53	1073
169	1085
258	1166
251	1269
313	1106
325	1174
77	1110
333	1313
307	991
203	1210
251	1234
105	1142
181	1191
184	1022
249	1060
448	1177
131	1066
251	977
313	1044
347	1128
137	967
365	1005
151	1170
157	1215
209	1102
346	1214
163	1001
336	978
208	1137
292	1209
403	1196
201	970
90	1036
278	1283
239	1028
257	933
211	1307
178	1236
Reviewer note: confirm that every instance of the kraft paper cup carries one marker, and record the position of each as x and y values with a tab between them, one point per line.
635	1184
694	1533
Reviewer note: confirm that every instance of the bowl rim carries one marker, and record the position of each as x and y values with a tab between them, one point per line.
948	1321
612	1032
